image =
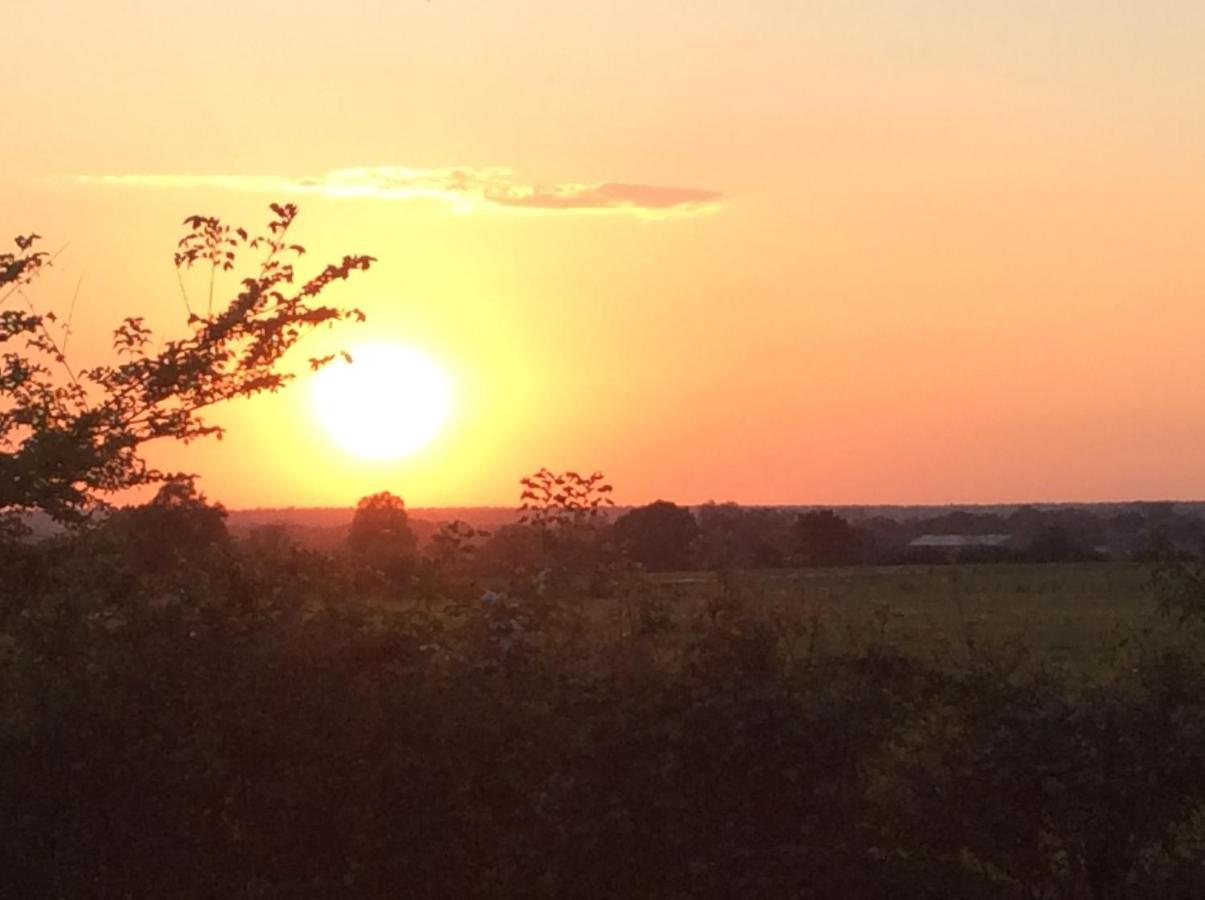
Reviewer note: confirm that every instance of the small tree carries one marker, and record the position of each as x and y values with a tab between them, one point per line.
736	537
70	436
824	538
567	511
659	536
380	534
563	501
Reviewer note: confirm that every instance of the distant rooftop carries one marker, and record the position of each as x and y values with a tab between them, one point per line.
954	541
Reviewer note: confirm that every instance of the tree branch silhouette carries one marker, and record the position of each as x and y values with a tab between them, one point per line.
64	445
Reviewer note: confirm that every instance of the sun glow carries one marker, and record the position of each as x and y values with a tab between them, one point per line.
387	403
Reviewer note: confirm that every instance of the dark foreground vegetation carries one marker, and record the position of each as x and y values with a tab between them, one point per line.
186	714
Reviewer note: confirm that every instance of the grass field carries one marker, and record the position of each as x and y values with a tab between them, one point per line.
1075	619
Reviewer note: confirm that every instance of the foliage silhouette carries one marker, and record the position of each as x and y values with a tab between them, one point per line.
825	539
563	500
380	535
176	530
659	536
454	545
69	437
567	514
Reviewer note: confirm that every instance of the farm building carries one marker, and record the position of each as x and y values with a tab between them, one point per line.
960	547
959	541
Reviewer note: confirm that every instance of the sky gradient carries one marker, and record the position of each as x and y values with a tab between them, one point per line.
826	252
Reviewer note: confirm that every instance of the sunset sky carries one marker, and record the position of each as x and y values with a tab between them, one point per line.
771	252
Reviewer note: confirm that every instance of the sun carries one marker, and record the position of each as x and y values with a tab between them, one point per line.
386	404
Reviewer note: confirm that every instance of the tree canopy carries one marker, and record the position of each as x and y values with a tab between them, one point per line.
659	536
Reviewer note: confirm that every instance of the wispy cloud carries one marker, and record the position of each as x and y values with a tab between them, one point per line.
463	189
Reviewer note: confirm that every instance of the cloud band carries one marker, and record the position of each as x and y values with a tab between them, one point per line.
463	189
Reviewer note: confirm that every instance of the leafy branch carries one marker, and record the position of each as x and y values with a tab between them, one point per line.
65	444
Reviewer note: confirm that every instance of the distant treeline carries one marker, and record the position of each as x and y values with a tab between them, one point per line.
730	536
664	536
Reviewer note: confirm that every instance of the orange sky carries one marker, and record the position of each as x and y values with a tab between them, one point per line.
824	252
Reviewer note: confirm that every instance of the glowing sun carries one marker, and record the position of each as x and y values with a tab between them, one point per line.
387	403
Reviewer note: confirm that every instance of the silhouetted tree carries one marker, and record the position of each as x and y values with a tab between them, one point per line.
736	537
567	513
557	501
70	436
178	529
380	534
823	538
659	536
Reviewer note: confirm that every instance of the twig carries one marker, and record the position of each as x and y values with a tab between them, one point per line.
71	313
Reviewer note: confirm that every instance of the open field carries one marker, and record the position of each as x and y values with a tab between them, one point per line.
1074	619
